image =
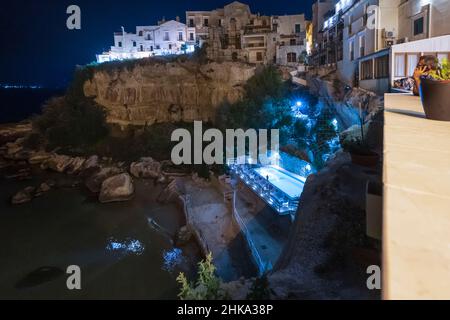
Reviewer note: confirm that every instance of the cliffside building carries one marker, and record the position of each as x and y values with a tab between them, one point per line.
234	33
168	37
372	43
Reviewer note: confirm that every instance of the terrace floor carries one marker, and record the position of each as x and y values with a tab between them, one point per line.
269	231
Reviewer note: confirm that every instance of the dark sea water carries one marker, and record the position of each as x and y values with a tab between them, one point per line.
120	255
19	104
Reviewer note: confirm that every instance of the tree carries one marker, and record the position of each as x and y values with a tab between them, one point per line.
323	132
301	133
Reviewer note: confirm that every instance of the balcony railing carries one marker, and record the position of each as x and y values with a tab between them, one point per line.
255	45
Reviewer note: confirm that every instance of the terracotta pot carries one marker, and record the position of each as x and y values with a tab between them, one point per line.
365	160
435	97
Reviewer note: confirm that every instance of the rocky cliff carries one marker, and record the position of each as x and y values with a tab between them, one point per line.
166	91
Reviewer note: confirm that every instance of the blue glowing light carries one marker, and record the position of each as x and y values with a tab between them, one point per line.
172	258
299	104
335	124
19	86
126	246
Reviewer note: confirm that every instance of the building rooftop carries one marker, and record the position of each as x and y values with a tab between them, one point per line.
416	215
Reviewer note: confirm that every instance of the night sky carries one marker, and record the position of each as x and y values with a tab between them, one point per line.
38	49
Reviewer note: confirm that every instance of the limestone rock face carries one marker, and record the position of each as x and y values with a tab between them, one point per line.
117	188
167	92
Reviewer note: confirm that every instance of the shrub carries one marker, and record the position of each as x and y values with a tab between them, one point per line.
200	54
442	73
207	286
73	120
260	289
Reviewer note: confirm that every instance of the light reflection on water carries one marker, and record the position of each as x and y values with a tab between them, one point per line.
172	258
129	245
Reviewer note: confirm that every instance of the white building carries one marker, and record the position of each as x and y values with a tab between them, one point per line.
169	37
365	60
290	38
382	40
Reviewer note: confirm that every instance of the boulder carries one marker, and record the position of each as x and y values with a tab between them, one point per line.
76	165
23	196
162	179
11	132
94	182
58	163
146	168
15	151
200	182
117	188
38	157
183	236
12	149
91	162
43	188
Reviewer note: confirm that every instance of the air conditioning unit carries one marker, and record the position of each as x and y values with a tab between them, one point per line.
389	34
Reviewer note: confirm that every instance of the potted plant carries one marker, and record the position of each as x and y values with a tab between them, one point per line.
435	92
359	147
361	152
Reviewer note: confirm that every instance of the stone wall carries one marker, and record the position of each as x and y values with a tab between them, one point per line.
167	92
